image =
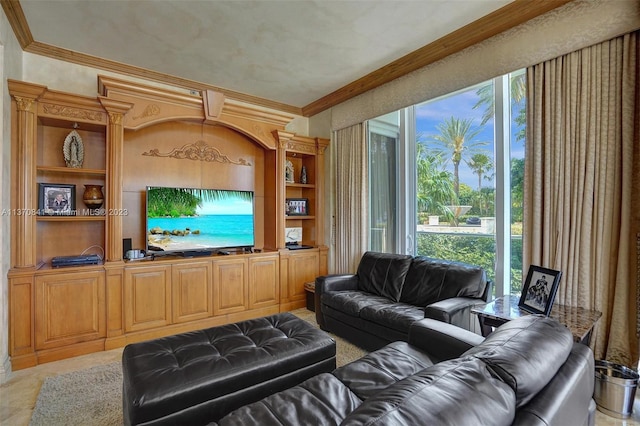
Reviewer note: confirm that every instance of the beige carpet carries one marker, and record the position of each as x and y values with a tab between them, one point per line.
94	396
86	397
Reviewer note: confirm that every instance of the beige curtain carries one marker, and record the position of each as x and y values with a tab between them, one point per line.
582	116
351	205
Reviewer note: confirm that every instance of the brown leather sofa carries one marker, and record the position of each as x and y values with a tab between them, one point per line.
527	372
389	292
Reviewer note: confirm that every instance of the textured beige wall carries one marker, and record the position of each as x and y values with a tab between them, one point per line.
576	25
10	67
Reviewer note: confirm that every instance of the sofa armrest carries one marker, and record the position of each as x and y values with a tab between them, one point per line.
487	295
337	282
440	340
334	282
456	310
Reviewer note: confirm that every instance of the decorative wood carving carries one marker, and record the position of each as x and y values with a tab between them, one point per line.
149	111
292	146
71	112
197	151
24	104
115	118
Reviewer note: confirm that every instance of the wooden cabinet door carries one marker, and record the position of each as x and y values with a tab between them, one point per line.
147	301
230	285
70	308
192	291
264	281
303	267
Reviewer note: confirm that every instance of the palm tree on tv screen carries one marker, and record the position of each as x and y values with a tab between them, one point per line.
175	202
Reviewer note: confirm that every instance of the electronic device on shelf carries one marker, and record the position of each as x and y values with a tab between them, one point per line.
198	221
135	254
298	247
85	259
196	253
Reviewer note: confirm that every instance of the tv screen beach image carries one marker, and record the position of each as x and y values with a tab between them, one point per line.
180	219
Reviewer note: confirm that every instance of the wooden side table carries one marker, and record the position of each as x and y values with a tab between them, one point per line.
310	290
503	309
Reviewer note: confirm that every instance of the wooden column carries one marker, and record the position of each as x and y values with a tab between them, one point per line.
321	146
283	138
23	216
114	153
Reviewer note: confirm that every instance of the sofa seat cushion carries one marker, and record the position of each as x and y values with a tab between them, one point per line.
398	316
320	400
526	353
379	369
352	302
457	392
383	273
431	280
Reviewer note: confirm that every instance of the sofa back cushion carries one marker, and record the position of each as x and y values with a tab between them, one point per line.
457	392
526	353
431	280
383	274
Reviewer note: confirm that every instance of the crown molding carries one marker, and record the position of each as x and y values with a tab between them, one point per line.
18	22
501	20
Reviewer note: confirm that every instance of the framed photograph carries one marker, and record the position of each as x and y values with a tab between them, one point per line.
56	199
539	290
297	206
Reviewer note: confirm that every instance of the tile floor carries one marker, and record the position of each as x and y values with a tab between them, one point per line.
18	396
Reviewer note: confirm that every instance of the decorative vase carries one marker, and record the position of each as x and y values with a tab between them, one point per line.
93	196
303	175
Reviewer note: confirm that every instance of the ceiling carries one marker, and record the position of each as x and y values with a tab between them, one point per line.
300	56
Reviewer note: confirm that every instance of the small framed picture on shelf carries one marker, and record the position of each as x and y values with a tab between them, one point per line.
56	199
539	290
297	206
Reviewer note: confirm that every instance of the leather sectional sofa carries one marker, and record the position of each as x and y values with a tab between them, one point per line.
527	372
389	292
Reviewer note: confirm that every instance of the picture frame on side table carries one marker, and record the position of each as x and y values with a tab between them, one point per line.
56	199
539	290
297	206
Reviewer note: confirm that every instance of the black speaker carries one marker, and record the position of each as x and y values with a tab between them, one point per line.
126	245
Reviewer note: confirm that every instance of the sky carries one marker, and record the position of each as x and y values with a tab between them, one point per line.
460	105
233	206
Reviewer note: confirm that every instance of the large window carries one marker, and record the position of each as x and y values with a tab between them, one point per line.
383	183
447	176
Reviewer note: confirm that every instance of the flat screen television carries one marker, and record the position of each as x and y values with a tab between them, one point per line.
192	219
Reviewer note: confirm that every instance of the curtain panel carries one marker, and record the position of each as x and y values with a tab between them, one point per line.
582	133
351	192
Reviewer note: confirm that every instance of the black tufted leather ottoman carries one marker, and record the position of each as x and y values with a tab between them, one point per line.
198	377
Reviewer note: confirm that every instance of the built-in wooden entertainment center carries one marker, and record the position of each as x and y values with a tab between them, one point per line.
136	136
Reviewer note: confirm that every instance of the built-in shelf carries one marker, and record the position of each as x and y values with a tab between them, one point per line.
69	170
71	218
300	217
300	185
